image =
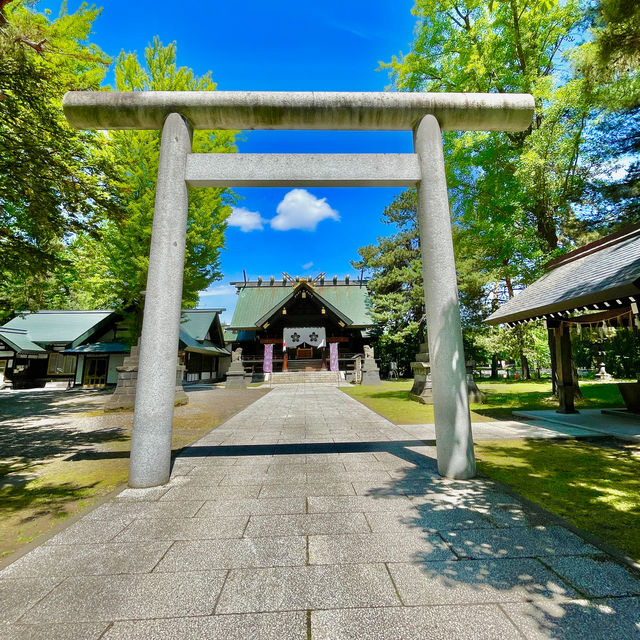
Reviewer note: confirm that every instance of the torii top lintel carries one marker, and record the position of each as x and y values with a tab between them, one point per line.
323	110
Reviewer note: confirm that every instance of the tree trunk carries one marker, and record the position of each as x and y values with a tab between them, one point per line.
577	391
494	366
526	372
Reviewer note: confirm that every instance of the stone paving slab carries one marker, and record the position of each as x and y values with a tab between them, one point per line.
19	594
183	529
307	490
307	524
377	547
307	587
230	553
478	581
291	625
199	492
307	516
143	509
337	504
87	531
256	506
596	577
431	522
615	619
88	559
122	597
469	622
84	630
517	542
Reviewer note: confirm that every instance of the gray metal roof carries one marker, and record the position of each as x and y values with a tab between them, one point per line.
602	271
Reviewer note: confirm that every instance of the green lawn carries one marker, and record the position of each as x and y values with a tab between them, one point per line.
597	488
391	399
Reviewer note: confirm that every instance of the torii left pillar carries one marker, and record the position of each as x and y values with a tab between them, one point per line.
150	463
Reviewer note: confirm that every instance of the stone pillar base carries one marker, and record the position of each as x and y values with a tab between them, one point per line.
370	373
630	392
236	376
124	397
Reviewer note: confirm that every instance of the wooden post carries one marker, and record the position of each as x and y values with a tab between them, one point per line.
564	369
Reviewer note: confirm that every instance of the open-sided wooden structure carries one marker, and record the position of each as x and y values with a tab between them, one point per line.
595	285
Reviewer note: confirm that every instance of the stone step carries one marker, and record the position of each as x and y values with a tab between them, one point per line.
305	377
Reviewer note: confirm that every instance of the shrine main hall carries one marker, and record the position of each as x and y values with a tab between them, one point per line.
300	324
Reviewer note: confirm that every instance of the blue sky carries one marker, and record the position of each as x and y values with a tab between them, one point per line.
282	45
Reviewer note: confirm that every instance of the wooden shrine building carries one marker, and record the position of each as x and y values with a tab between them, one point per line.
298	324
597	285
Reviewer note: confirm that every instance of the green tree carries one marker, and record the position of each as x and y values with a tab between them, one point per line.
513	192
394	267
527	345
395	270
52	184
610	65
112	269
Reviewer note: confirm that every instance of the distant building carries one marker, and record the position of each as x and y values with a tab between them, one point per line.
298	324
83	348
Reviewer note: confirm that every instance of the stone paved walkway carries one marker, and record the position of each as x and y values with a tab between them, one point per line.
309	516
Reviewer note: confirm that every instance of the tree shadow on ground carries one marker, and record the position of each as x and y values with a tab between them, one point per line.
39	500
505	551
21	448
47	403
479	545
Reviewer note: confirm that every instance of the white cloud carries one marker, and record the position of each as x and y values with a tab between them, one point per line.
245	219
219	290
307	265
300	209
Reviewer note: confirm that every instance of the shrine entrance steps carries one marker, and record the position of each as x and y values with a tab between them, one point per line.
305	377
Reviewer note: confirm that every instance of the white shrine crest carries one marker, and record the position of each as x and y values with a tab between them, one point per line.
311	336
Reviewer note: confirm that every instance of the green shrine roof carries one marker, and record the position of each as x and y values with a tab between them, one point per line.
257	300
18	340
196	322
195	326
58	327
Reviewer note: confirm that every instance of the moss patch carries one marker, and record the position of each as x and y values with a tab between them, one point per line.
50	470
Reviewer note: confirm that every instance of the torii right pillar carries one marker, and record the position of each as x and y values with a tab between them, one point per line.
454	442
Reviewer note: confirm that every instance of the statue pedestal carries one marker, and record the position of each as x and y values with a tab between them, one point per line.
474	394
422	389
236	376
124	397
603	375
370	372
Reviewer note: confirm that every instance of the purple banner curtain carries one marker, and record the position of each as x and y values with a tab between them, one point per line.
267	365
333	356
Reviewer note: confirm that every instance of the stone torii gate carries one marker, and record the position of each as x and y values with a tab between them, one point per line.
177	113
